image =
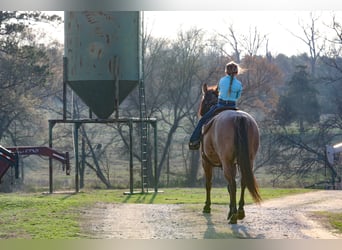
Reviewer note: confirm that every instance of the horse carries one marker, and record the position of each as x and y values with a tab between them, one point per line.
230	140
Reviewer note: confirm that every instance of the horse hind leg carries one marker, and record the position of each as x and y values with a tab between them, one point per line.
241	210
230	173
233	213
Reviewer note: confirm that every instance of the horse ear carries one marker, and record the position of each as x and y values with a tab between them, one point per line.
204	88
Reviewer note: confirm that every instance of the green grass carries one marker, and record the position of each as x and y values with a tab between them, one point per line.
197	196
335	220
37	216
56	216
332	219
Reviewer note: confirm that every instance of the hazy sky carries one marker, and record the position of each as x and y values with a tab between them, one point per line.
279	26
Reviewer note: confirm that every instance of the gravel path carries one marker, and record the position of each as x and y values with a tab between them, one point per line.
289	217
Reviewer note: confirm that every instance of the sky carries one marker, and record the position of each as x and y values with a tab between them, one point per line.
280	27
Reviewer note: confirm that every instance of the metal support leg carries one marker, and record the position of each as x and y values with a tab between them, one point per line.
130	124
76	127
51	125
154	124
65	79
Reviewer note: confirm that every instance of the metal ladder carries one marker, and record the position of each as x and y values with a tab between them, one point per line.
144	139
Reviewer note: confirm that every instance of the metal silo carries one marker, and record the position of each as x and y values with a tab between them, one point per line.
102	51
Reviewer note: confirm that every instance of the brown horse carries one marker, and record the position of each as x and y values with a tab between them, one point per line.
229	140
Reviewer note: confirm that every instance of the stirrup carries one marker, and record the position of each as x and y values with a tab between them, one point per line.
194	145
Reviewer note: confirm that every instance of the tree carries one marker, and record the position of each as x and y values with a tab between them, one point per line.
313	39
300	102
179	75
174	73
23	75
331	73
261	80
250	44
233	41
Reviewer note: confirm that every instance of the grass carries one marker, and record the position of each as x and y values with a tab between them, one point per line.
37	216
333	219
56	216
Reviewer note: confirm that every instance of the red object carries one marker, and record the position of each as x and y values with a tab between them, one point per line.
7	159
31	150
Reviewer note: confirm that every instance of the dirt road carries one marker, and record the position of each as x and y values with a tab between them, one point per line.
289	217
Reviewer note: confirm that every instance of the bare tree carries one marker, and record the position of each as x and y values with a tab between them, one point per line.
180	80
333	53
261	80
313	38
234	42
174	72
248	44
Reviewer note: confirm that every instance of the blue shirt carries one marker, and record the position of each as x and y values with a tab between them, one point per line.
223	87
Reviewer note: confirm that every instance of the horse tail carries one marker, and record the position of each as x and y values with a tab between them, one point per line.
243	160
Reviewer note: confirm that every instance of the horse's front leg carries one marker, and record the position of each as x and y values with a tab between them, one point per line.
208	183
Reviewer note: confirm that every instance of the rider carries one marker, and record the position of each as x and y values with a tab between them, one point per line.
230	90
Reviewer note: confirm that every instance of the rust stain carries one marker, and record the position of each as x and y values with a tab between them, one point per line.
92	48
90	17
99	53
96	39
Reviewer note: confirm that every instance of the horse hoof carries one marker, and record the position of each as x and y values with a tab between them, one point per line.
232	219
206	210
241	214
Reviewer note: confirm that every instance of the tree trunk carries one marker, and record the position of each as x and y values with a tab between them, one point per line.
194	166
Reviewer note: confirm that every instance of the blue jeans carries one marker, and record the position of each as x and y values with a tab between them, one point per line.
196	135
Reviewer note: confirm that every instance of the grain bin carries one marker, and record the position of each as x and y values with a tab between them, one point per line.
102	51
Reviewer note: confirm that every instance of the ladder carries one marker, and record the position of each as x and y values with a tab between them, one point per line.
144	139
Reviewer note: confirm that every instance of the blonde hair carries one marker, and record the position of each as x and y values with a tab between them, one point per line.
232	69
